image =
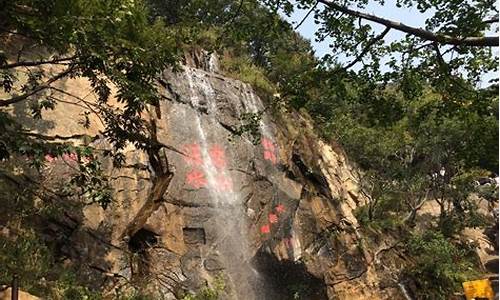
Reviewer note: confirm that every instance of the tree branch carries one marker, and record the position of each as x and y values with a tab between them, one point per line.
367	48
35	63
59	137
37	89
486	41
307	15
490	21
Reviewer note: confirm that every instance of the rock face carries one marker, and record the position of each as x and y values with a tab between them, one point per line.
269	213
7	295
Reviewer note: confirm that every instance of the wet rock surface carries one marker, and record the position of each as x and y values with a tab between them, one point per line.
272	215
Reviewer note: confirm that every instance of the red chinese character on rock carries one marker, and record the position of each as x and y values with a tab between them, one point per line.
193	154
270	156
223	183
86	159
217	156
273	218
70	157
265	229
269	150
267	144
49	158
280	208
196	179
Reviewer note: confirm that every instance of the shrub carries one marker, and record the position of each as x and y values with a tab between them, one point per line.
241	67
440	266
33	262
208	293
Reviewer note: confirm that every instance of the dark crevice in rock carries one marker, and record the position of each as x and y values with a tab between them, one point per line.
290	175
168	86
318	181
324	239
183	203
142	240
58	234
285	280
229	128
139	244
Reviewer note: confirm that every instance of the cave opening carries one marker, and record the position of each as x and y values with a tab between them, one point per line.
285	280
138	244
142	240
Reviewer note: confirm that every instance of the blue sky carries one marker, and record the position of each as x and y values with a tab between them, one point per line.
410	17
390	11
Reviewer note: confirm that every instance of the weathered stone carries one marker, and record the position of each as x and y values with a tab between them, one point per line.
213	264
290	195
168	223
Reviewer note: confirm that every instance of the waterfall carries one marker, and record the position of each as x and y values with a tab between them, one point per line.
252	106
213	63
404	291
230	217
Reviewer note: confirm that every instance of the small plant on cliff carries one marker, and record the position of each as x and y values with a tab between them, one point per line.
209	293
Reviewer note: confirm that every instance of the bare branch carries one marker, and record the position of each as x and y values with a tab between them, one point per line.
36	63
59	137
490	21
306	16
367	48
36	89
482	41
236	14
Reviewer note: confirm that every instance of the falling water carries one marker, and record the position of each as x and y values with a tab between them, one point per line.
252	105
231	228
404	291
213	64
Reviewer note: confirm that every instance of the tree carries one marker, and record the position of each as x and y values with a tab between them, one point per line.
452	47
107	42
112	44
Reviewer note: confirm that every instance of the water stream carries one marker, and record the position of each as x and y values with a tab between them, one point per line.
231	241
252	106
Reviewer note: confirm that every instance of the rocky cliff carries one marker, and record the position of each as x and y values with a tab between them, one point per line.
268	211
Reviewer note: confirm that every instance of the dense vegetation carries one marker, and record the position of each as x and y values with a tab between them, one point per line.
413	116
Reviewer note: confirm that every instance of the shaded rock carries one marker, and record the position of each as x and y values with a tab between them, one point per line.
283	200
194	236
7	295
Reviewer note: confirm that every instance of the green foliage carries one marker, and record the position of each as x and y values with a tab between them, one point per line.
439	266
380	222
250	126
208	293
26	256
243	69
135	296
109	43
32	261
91	180
403	123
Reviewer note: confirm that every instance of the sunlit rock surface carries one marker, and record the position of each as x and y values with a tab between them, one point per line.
271	213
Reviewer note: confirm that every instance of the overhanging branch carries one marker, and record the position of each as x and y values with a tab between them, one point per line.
36	63
306	16
482	41
36	89
367	48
